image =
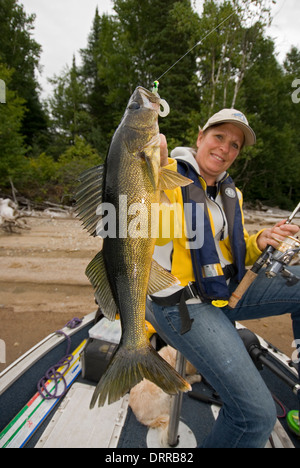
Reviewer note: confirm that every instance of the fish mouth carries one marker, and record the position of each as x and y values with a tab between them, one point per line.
150	100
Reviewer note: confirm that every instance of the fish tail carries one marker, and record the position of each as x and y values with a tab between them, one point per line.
127	368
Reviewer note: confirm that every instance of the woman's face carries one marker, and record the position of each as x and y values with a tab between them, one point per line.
218	148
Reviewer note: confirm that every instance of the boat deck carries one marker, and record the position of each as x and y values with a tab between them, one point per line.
70	423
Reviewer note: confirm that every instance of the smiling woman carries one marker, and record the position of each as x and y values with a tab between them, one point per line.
194	315
218	148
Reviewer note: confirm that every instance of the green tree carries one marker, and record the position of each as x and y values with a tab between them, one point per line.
292	62
202	66
97	77
12	146
292	87
76	159
272	176
67	106
44	178
157	34
135	47
230	31
21	53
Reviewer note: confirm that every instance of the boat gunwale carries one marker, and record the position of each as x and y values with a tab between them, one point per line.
19	367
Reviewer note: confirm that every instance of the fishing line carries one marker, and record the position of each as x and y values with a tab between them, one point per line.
198	43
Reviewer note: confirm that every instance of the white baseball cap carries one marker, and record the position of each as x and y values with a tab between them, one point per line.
237	118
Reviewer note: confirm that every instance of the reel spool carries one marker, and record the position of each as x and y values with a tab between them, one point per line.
282	257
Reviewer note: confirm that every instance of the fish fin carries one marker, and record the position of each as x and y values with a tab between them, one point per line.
128	367
96	273
170	180
160	278
89	197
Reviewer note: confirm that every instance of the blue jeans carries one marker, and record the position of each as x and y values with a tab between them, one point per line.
214	347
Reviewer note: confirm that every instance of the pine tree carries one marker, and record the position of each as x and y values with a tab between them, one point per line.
12	147
21	53
162	32
270	171
96	78
69	116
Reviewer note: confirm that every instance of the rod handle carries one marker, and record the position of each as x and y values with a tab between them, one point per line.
246	282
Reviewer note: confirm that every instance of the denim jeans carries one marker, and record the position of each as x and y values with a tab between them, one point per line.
214	347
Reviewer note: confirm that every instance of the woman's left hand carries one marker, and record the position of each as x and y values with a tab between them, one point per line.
276	234
163	151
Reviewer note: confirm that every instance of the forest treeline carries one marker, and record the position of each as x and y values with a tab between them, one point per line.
45	145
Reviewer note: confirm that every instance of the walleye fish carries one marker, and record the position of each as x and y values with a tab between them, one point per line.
123	273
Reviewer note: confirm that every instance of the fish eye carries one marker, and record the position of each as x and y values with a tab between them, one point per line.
134	105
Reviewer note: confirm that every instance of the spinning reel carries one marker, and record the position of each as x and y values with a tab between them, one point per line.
281	257
276	261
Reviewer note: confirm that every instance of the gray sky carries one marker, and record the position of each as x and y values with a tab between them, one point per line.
62	28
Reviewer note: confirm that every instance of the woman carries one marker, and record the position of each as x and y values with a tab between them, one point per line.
194	316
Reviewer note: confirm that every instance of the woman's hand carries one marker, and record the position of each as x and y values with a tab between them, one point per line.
276	235
163	151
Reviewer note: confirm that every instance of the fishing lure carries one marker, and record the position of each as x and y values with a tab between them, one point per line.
164	109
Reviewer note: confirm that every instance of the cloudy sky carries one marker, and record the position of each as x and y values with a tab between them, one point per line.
62	28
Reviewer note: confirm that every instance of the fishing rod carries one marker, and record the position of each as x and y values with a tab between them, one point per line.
276	259
198	43
165	108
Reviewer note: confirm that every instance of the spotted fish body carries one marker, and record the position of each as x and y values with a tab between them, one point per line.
123	273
